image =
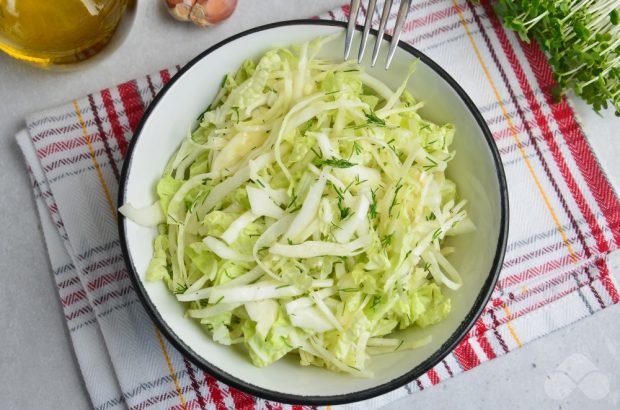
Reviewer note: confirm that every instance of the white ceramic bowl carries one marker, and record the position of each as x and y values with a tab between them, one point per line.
477	171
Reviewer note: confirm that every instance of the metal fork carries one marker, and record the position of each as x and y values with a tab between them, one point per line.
387	7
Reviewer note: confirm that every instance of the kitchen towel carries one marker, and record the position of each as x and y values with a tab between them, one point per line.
565	218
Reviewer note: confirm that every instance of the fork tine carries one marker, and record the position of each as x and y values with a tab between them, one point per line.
398	28
354	10
369	15
384	18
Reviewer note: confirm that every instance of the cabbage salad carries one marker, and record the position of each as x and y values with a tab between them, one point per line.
306	213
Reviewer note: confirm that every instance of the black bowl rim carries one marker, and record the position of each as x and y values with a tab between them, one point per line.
430	362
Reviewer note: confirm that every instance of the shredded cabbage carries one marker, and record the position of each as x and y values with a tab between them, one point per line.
306	214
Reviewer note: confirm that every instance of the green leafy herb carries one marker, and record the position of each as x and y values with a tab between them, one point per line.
375	301
581	39
344	210
318	154
308	124
391	145
181	288
387	240
432	165
337	163
358	181
293	199
356	149
189	205
373	119
348	186
399	186
373	204
338	192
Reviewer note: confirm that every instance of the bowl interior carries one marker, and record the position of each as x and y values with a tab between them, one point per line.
473	170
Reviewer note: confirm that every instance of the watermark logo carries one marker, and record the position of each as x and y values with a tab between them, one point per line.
577	372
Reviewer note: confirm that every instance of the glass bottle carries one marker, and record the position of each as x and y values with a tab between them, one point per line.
57	32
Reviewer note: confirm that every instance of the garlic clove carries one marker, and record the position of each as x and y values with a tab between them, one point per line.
180	9
209	12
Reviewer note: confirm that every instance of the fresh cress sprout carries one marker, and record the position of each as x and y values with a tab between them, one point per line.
582	38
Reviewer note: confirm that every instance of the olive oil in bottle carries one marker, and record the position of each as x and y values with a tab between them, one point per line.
57	32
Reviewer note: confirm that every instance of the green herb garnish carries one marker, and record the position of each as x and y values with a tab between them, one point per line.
337	163
581	39
399	186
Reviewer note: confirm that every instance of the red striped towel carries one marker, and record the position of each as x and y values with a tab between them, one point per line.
565	218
